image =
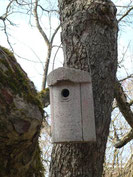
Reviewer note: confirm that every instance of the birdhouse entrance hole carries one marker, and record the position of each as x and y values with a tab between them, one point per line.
65	93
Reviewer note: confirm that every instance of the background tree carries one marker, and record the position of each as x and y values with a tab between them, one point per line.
89	38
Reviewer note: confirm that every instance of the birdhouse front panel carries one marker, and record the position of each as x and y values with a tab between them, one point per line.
66	110
72	108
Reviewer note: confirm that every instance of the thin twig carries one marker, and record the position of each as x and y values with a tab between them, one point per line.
125	14
7	36
128	77
48	11
55	56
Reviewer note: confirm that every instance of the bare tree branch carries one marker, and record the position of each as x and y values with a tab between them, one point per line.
128	77
8	8
38	24
49	44
122	103
56	55
128	137
124	53
126	111
1	18
52	38
7	36
23	4
125	14
6	14
46	67
48	11
48	58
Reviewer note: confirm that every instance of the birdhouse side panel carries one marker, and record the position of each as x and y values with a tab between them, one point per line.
51	109
67	126
88	119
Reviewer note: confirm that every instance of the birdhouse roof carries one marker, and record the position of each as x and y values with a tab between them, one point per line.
68	74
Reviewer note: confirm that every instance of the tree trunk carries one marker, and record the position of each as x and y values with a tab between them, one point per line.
89	38
20	121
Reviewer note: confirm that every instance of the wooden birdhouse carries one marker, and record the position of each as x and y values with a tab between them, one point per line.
72	109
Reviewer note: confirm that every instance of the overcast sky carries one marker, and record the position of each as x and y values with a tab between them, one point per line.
28	43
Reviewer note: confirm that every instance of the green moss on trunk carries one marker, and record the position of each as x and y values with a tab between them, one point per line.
13	77
20	121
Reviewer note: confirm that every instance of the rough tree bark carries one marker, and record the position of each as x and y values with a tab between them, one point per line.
21	117
89	38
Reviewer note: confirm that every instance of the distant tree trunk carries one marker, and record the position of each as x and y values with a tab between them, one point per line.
21	116
89	38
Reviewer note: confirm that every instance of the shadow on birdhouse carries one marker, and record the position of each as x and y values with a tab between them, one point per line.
72	109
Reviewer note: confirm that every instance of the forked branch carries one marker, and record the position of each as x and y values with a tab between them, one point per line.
47	41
